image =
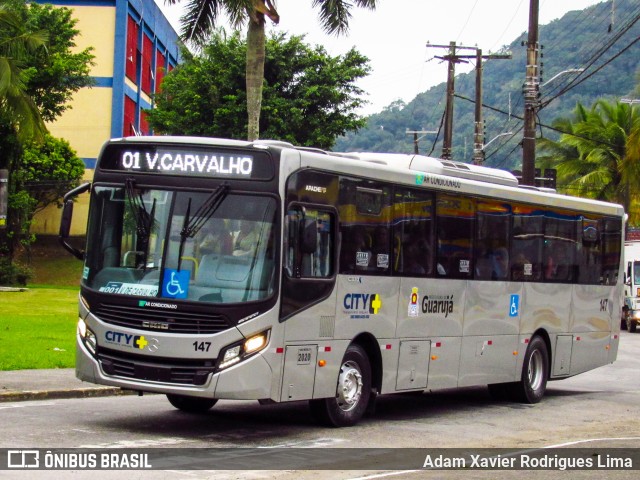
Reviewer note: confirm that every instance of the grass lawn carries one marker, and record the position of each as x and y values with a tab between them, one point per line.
37	328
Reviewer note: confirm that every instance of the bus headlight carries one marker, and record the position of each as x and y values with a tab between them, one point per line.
239	351
87	336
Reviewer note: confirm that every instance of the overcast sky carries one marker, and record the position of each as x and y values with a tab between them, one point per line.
394	36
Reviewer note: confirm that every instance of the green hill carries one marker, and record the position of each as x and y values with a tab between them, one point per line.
580	39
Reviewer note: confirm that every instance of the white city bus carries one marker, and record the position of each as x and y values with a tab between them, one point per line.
218	269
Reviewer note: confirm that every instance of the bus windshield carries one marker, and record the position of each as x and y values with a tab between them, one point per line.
636	273
200	246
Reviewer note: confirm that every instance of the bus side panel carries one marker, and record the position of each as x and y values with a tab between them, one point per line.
437	311
366	304
592	311
595	318
314	323
589	351
488	309
445	362
545	306
488	359
491	326
432	309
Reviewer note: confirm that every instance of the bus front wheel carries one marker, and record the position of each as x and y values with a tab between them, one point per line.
352	392
535	372
191	404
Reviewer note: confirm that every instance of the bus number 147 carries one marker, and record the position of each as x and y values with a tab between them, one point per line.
201	346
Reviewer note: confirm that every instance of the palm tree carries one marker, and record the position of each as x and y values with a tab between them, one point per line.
16	106
598	154
200	17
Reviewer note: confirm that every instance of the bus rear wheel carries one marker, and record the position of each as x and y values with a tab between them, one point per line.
191	404
352	392
535	373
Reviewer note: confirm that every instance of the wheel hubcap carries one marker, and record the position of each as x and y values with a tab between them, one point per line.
349	386
534	371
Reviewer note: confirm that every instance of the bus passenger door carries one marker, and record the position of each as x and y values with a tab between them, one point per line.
413	364
299	372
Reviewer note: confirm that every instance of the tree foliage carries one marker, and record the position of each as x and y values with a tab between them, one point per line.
46	77
55	74
200	18
309	97
17	107
49	170
598	155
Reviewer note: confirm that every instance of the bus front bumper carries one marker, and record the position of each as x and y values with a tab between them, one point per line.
248	380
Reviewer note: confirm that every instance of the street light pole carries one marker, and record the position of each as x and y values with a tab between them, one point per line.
416	139
504	134
569	70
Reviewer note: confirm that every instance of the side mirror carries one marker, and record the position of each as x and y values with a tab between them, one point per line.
65	221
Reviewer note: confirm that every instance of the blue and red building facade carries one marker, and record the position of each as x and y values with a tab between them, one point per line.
135	46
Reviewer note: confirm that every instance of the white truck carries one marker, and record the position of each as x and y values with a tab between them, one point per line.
631	308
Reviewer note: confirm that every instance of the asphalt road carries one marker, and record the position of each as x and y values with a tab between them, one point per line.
598	409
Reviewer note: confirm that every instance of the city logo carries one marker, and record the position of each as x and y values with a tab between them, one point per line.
438	304
361	305
413	302
139	342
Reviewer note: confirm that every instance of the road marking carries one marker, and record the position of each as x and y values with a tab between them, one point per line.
142	443
320	442
23	405
589	440
389	474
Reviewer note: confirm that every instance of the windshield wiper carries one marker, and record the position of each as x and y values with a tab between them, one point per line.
192	225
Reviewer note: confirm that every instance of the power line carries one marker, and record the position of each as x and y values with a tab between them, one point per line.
575	83
599	53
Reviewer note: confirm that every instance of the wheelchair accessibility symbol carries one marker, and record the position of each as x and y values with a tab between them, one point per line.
176	283
514	306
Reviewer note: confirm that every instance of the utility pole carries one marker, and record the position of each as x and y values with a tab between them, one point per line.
454	58
478	134
478	137
531	90
416	138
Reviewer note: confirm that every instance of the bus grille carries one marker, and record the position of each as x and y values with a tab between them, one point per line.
166	370
160	319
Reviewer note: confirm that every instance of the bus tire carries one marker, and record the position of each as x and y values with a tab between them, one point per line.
353	391
535	373
625	315
191	404
631	325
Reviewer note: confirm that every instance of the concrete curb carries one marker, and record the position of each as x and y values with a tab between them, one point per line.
19	396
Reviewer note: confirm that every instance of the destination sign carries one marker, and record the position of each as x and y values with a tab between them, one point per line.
191	161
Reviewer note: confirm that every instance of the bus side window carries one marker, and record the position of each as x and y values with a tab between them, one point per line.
413	232
309	243
455	235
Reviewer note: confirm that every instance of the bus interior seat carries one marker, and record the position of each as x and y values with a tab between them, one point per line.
228	278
